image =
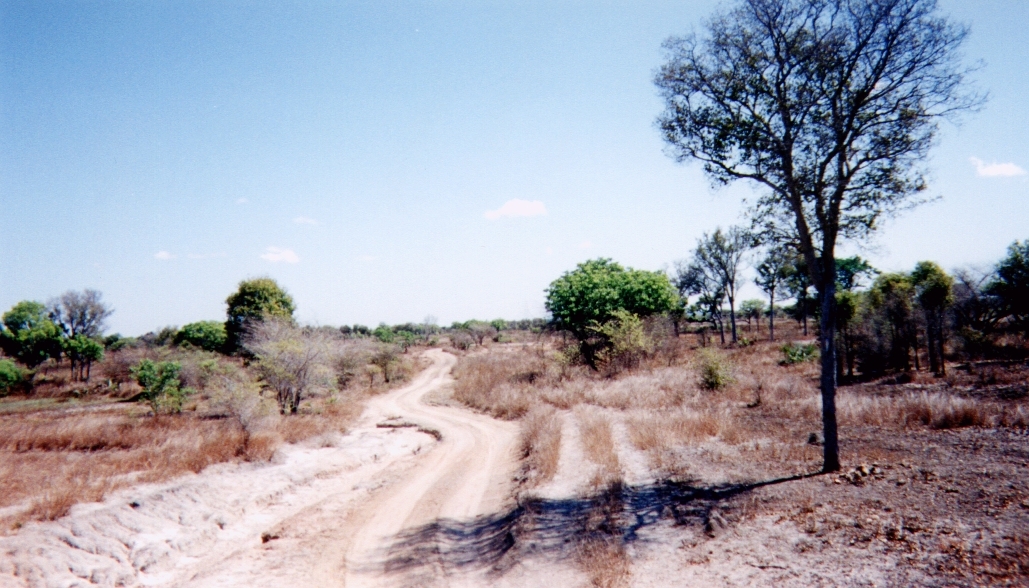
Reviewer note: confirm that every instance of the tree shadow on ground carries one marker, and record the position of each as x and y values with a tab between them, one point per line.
555	529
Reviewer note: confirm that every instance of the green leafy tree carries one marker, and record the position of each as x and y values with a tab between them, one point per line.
206	335
29	335
771	277
892	300
161	385
82	351
831	106
384	333
934	290
798	285
254	301
850	272
590	294
752	310
1011	285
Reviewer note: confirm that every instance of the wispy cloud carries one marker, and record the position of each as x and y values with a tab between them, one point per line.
277	254
516	207
305	220
163	255
585	245
242	201
995	170
367	258
206	255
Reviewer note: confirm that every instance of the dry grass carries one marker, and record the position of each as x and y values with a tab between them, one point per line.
540	439
605	562
599	446
50	461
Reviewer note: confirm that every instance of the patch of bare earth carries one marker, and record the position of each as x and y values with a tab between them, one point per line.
645	478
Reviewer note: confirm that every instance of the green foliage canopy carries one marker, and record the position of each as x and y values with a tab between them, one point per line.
590	294
255	300
1011	285
206	335
30	336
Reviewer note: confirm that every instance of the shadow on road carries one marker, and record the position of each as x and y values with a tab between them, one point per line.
554	529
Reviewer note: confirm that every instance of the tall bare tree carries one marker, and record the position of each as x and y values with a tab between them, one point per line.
831	106
720	256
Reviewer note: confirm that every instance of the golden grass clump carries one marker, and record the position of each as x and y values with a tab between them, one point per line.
540	440
598	445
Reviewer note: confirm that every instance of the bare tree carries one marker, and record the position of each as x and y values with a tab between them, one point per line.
691	279
720	256
831	106
292	361
80	313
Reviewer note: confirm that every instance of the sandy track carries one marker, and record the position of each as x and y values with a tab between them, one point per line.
467	474
318	516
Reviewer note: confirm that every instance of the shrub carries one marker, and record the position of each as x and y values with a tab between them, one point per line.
627	341
207	335
798	353
714	369
161	384
10	375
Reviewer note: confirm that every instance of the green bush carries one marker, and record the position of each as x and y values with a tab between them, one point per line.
714	369
161	384
798	353
10	375
207	335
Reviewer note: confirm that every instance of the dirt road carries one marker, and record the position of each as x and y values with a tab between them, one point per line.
318	516
468	473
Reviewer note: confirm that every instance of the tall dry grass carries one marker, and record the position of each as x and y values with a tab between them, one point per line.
540	440
598	445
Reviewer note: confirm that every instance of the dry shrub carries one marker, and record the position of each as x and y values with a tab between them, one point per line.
540	439
598	445
714	370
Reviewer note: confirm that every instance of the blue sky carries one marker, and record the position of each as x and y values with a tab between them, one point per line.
366	155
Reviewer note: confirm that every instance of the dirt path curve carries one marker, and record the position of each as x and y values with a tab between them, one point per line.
468	473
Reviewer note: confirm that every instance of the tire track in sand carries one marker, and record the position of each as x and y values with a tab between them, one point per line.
468	473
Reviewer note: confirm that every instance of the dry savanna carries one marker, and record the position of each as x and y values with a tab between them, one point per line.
771	409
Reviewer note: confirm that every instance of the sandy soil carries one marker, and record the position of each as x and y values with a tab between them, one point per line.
316	516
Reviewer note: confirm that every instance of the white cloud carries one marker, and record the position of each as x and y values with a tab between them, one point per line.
304	220
585	245
276	254
242	201
367	258
163	255
517	207
995	170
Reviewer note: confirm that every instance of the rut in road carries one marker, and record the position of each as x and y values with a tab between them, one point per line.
466	475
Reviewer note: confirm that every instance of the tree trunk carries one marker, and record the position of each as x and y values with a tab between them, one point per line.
827	336
732	318
771	316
